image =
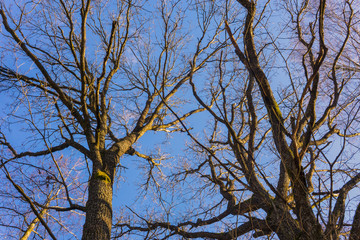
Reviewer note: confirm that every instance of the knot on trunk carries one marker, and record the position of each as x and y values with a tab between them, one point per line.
102	176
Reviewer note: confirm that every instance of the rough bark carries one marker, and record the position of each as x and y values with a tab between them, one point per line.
98	220
98	209
355	230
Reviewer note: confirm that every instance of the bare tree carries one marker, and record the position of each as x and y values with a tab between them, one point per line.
87	79
34	191
280	154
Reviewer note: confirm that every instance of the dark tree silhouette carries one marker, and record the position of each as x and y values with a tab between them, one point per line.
82	75
280	154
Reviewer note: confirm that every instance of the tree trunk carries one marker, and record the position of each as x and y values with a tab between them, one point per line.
281	221
98	208
355	230
98	221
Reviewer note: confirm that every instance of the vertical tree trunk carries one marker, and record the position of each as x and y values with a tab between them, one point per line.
355	230
98	219
98	209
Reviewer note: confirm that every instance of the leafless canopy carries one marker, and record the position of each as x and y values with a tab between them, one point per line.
261	97
279	156
86	80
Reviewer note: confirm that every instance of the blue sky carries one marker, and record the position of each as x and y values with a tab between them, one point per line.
174	146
